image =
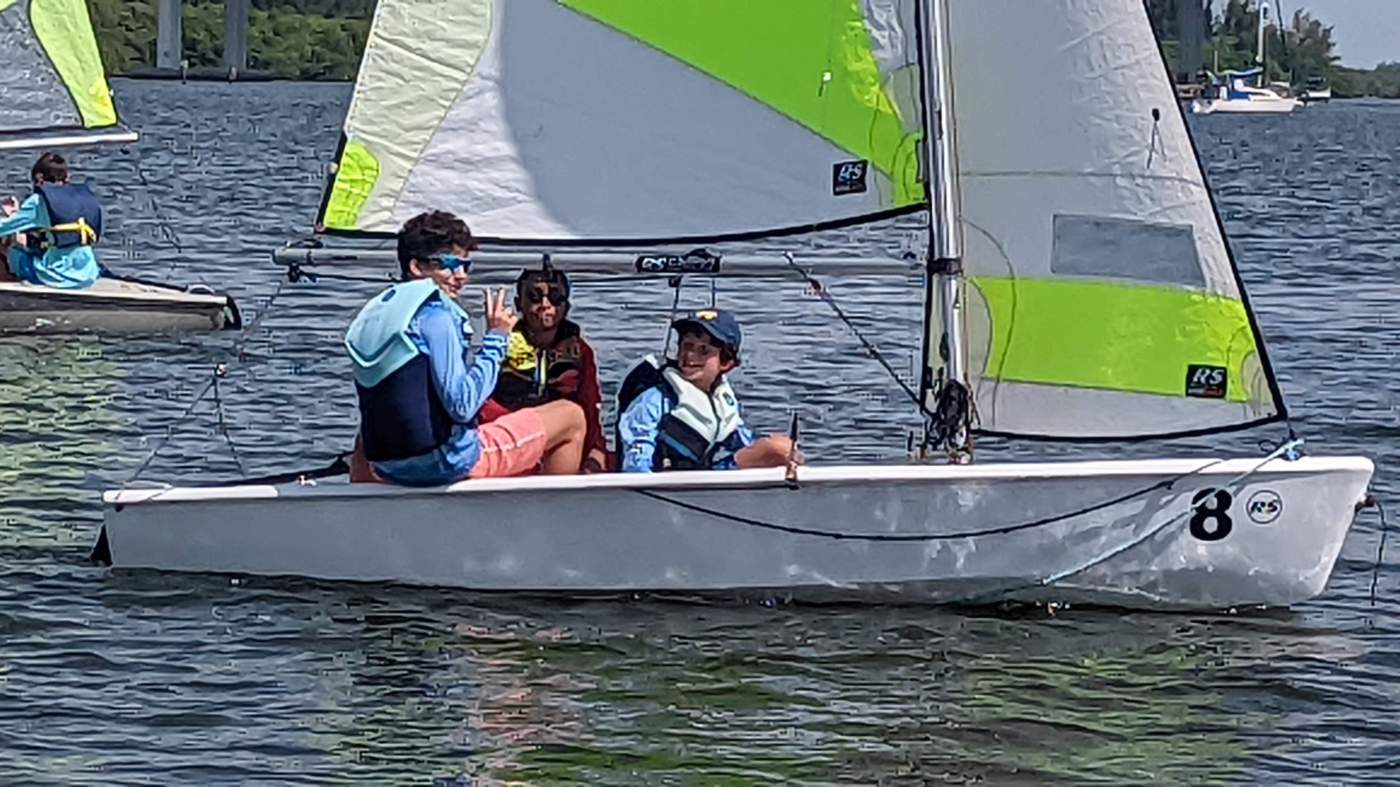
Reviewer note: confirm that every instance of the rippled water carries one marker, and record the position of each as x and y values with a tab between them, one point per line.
120	678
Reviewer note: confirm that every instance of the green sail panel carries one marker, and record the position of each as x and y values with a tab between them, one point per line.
811	60
52	79
569	122
1102	300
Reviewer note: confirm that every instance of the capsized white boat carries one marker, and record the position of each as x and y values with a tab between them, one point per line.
1079	287
54	93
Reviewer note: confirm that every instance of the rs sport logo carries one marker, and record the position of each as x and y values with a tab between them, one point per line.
1264	507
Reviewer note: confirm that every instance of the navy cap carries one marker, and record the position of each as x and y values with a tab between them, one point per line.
720	324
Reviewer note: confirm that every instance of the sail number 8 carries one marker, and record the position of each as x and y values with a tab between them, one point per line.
1210	514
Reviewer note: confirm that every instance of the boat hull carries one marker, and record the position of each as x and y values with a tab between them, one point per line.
113	306
1279	106
1129	534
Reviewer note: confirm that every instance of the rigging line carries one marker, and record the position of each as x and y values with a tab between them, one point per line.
167	229
866	344
248	333
220	371
1370	502
922	537
675	283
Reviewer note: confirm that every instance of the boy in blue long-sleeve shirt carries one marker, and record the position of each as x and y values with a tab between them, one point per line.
690	419
421	388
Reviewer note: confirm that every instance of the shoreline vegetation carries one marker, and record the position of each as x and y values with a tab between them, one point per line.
322	40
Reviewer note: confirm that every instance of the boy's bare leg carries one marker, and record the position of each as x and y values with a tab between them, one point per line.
564	428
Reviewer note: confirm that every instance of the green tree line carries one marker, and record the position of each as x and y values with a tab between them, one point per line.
295	39
323	39
1299	49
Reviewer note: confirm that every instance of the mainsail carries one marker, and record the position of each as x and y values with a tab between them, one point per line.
607	122
1102	299
53	90
1101	302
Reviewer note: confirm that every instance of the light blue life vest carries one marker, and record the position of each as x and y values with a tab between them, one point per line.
378	340
401	414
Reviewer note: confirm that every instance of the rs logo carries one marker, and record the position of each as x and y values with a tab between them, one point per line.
1208	376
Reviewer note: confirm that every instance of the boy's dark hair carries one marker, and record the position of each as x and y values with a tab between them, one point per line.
431	233
50	168
726	353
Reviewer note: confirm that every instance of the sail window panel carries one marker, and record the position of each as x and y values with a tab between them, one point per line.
1101	247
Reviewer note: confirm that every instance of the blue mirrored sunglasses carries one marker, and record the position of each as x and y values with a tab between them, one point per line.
452	262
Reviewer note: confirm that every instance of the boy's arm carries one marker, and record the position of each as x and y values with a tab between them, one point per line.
462	388
745	437
638	429
590	398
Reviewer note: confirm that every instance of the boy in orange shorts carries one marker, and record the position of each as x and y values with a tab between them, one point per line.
421	389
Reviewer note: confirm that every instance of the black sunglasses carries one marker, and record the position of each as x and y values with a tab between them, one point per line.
556	297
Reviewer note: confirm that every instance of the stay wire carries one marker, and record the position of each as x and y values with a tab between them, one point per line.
870	349
219	370
223	423
167	229
1380	550
675	284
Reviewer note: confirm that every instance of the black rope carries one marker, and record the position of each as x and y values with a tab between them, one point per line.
167	229
1370	502
869	347
674	283
220	370
337	467
921	537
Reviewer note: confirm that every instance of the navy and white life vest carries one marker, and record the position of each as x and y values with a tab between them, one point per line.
698	429
401	415
75	218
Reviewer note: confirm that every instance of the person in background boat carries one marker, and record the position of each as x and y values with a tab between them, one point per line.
548	360
48	238
421	389
688	417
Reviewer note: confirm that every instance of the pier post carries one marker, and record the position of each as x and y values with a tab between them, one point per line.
235	37
169	47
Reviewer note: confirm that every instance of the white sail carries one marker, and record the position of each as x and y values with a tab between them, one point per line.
605	121
53	90
1102	301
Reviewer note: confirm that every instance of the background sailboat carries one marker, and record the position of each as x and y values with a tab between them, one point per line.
54	90
54	93
1079	288
1232	94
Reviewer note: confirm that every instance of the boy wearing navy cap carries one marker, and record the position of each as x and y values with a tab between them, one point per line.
689	418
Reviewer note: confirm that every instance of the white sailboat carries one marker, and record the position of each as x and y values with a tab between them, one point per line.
1232	94
1080	288
54	93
